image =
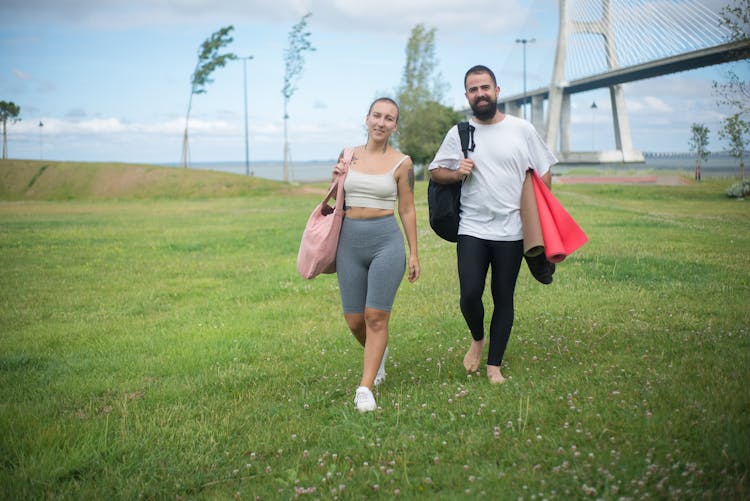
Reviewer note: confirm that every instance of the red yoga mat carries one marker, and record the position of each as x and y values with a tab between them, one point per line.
562	235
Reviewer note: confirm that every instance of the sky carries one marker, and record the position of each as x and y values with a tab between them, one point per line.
110	80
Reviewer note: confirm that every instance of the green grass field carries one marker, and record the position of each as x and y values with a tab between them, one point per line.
156	342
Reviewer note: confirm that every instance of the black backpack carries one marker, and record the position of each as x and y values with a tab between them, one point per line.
444	200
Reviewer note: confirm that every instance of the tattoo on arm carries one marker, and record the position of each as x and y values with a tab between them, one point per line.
410	179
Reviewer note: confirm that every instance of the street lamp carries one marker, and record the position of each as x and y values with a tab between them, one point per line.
244	85
524	41
593	125
41	156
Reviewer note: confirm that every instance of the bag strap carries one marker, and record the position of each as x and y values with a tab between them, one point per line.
466	134
337	185
346	158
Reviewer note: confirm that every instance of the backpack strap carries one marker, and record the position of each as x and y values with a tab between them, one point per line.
466	134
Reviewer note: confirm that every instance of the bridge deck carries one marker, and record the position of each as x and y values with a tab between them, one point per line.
719	54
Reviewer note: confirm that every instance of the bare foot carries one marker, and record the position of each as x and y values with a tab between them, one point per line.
493	374
473	356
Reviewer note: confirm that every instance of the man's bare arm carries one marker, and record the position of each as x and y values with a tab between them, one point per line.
446	176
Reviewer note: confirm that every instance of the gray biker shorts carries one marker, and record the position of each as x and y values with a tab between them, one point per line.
370	263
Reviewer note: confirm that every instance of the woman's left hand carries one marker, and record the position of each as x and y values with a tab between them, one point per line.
414	269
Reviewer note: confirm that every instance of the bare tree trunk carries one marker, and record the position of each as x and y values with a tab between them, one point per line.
184	160
286	145
185	149
698	169
5	140
742	167
286	161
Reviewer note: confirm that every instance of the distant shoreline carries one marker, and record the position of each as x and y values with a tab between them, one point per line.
718	165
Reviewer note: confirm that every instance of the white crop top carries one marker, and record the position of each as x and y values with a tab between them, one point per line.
374	191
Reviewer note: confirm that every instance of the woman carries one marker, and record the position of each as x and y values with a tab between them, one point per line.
370	259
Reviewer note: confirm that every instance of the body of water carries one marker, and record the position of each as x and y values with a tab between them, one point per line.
301	172
719	165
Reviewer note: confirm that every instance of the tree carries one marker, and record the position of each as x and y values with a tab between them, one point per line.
735	131
8	111
294	63
208	60
698	143
735	91
426	126
418	84
423	121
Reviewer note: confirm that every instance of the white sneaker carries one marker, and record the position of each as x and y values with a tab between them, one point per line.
364	399
380	376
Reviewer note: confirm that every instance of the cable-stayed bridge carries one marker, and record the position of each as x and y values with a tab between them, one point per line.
606	43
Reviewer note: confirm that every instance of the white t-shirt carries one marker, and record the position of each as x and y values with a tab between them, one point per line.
491	195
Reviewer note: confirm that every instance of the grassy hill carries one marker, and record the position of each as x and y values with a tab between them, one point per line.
47	180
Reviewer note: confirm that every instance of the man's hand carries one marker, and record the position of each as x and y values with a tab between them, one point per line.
443	175
465	168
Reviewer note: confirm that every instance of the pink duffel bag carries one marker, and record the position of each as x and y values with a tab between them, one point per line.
317	249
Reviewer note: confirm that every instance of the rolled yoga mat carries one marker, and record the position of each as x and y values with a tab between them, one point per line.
561	234
533	241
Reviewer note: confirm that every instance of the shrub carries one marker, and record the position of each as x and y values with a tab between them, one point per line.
740	189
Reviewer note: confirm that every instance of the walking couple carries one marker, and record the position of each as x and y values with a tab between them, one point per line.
371	256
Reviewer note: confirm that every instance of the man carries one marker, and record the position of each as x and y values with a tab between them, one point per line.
490	231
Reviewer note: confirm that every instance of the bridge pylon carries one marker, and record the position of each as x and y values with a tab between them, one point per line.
558	112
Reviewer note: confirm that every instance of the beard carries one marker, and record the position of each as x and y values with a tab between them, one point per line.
484	109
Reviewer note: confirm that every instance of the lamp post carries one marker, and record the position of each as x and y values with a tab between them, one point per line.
244	86
41	156
593	125
524	41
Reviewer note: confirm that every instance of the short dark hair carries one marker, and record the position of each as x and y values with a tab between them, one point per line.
387	100
475	70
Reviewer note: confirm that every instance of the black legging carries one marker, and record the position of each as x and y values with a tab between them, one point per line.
474	258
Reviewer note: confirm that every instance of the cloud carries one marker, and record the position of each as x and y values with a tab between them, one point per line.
360	46
21	75
75	114
112	126
392	16
650	104
397	15
101	139
108	14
